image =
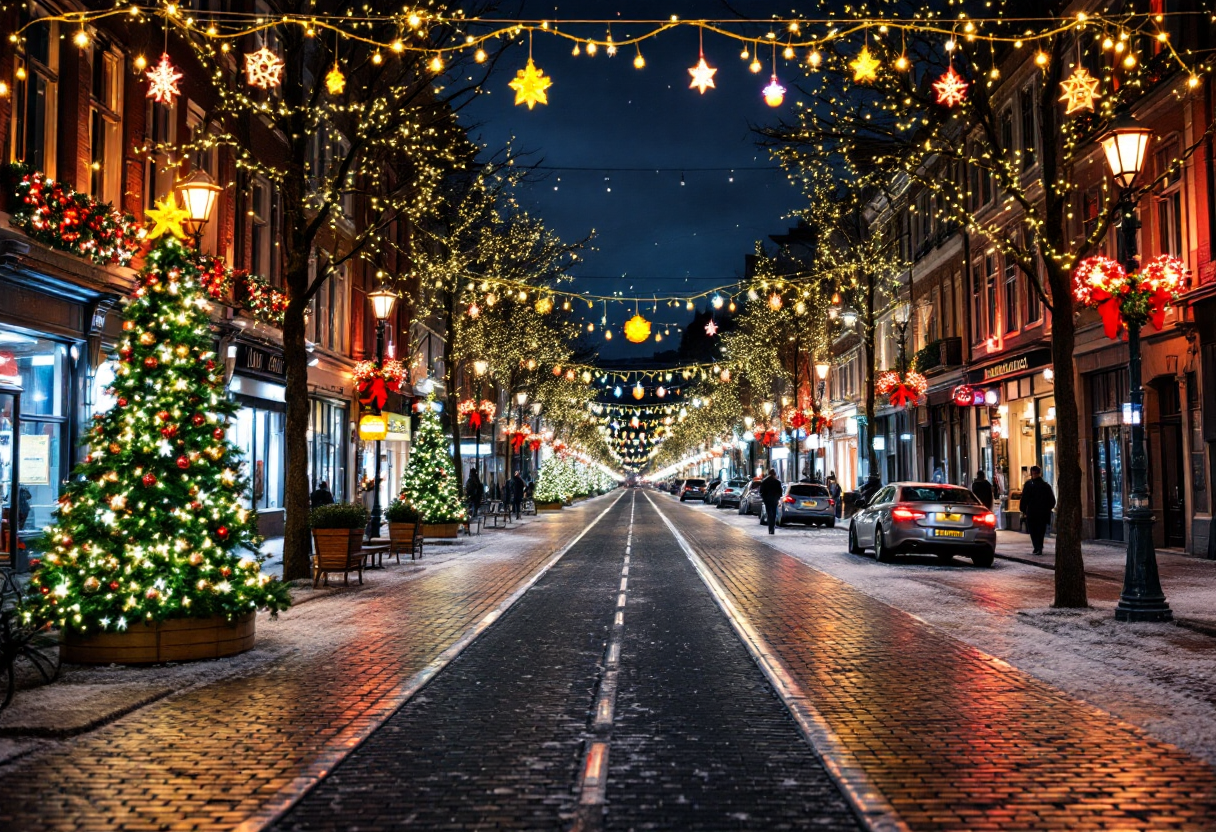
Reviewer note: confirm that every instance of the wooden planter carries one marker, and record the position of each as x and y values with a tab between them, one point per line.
548	506
337	550
178	640
442	530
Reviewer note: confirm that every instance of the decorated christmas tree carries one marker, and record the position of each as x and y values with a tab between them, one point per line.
558	481
151	526
430	483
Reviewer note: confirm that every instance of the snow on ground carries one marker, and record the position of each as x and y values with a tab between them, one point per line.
1159	677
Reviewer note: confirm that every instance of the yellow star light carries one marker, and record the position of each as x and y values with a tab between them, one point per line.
865	66
335	81
162	81
263	69
531	86
1080	91
167	218
951	88
702	76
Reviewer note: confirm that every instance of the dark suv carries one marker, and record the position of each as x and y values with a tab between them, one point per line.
692	488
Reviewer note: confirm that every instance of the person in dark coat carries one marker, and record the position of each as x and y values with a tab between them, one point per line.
321	496
517	493
474	492
982	488
869	488
770	493
1036	505
836	494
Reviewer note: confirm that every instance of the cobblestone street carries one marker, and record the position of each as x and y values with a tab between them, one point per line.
667	670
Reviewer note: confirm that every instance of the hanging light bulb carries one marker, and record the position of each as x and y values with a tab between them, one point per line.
774	93
616	391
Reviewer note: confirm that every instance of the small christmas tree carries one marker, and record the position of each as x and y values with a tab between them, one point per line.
151	527
430	483
557	482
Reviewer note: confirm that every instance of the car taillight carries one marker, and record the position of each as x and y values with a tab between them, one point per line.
905	513
988	519
789	499
831	502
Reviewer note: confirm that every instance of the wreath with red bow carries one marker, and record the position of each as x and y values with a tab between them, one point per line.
374	382
1124	299
901	391
477	413
519	437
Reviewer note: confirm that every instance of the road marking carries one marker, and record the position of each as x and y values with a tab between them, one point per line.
614	653
869	804
595	774
619	621
624	584
340	748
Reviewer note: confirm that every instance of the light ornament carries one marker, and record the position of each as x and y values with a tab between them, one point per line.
702	76
263	69
639	391
951	88
544	305
167	218
774	300
162	81
531	86
774	93
335	81
711	328
637	329
1080	91
865	67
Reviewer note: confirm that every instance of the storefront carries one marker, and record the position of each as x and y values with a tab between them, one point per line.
942	439
843	449
328	432
258	385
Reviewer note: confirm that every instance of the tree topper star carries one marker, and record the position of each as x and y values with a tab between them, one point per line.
711	328
865	66
167	218
163	78
1080	91
702	76
951	88
531	86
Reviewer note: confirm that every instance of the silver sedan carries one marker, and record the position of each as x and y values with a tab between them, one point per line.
945	520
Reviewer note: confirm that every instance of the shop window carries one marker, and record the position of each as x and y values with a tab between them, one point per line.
161	137
259	435
105	127
263	218
1012	322
35	93
1168	197
327	446
100	399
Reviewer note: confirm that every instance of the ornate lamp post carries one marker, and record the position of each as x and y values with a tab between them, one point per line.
480	367
821	374
901	317
1142	598
383	301
198	195
536	408
521	399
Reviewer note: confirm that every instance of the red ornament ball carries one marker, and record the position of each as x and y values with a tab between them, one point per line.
149	479
222	531
198	419
122	402
150	362
196	506
183	462
163	415
125	353
169	431
218	434
113	584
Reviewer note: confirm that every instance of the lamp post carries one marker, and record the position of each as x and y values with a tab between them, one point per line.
480	367
821	373
198	196
383	301
1142	598
901	316
521	399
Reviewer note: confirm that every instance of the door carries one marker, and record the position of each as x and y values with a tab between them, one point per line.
10	412
1108	483
1172	484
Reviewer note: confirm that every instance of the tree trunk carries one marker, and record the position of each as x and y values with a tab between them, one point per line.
449	367
296	546
1070	566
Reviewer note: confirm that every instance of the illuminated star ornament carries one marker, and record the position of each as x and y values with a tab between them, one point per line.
951	88
162	81
865	66
335	81
702	75
531	86
263	69
711	328
1080	91
167	218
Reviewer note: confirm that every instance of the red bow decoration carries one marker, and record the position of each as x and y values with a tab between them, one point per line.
518	438
1121	298
535	443
902	396
770	438
374	382
798	420
373	392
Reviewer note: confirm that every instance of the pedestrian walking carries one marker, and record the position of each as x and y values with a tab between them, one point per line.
321	495
982	488
517	493
939	475
1036	505
770	493
474	492
836	494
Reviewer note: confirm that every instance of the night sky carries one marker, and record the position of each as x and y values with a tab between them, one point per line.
653	235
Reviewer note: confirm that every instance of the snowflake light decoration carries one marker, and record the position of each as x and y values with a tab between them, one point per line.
162	81
263	69
1080	91
711	328
951	88
531	86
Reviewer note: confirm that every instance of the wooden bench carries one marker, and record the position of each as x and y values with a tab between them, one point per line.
373	554
499	510
330	555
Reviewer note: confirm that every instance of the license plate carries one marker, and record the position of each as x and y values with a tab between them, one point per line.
947	533
950	518
809	503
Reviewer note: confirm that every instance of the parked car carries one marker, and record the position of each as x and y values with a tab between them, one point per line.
946	520
803	502
711	489
692	488
750	502
730	493
673	487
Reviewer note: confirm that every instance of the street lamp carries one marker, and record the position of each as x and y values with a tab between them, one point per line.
383	301
521	399
480	368
1142	598
198	195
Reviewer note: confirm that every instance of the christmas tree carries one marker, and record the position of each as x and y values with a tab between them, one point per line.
151	527
430	483
558	481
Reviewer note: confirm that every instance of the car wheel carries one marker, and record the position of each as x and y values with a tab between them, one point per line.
740	511
682	498
984	560
854	549
831	524
881	553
